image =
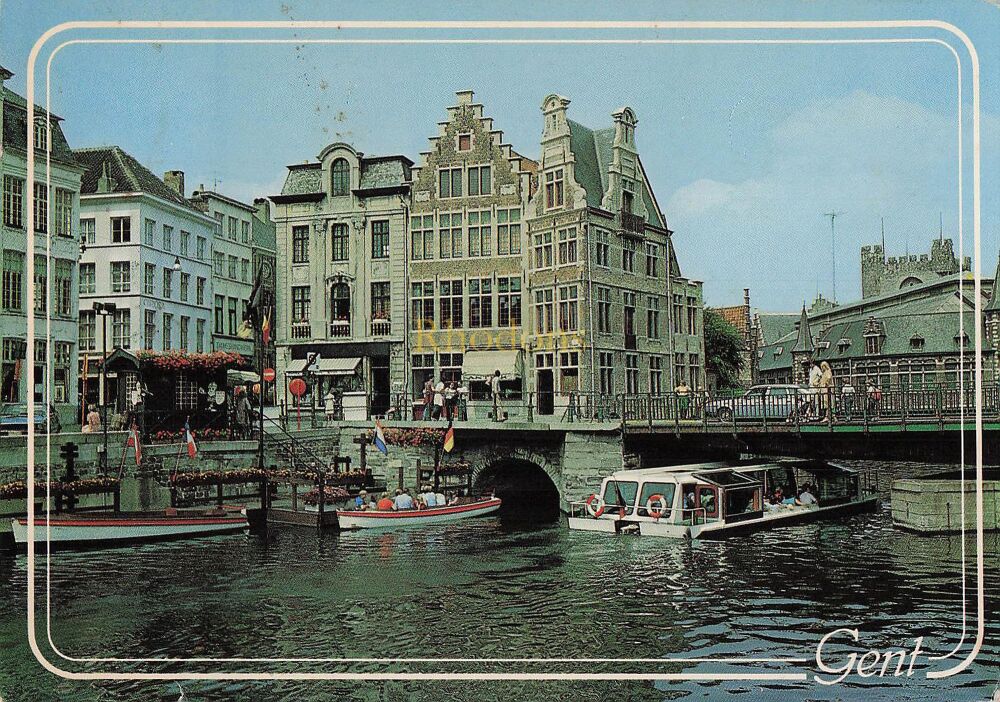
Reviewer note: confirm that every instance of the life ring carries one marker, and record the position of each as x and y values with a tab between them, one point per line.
661	506
595	506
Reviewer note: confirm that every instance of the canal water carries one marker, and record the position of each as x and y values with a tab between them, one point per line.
502	591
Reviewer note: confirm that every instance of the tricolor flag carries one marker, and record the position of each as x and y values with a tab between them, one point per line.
189	438
449	440
380	439
133	441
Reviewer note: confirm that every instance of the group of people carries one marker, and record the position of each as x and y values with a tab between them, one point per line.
805	498
403	500
819	403
448	399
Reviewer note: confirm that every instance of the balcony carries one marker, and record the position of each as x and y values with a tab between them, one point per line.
381	327
632	223
340	328
301	330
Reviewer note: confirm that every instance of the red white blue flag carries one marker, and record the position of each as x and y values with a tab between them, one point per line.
189	438
380	439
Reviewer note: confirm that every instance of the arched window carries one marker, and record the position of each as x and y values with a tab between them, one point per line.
340	177
340	302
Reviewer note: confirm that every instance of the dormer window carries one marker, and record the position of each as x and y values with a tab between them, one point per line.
778	351
340	178
41	137
962	340
628	195
916	342
465	142
843	344
822	344
873	345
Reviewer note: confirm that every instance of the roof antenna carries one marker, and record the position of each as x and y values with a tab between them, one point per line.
883	238
941	226
833	250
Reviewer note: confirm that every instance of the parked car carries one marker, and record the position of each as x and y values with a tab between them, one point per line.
14	418
760	401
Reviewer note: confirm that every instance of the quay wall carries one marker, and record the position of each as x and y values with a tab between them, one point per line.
934	506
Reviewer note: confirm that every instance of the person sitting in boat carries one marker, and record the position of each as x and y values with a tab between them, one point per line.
452	499
403	500
384	503
439	498
689	500
806	498
777	497
362	501
428	497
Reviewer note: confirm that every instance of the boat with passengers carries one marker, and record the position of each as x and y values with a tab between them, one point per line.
715	500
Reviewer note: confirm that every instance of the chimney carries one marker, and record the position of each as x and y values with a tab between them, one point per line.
263	207
175	181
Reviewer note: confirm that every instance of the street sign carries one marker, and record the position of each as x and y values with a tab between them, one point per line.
269	375
297	387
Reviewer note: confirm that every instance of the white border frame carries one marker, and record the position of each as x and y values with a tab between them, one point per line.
507	25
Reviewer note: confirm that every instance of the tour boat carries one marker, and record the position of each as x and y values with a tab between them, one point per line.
379	519
714	500
111	528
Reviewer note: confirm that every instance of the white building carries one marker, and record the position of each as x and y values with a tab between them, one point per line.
232	265
148	251
52	213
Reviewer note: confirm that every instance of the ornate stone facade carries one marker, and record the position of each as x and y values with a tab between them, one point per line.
881	275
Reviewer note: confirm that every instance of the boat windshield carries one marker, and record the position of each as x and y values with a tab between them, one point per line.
617	492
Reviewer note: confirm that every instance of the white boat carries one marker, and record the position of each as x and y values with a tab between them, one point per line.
110	528
714	500
381	519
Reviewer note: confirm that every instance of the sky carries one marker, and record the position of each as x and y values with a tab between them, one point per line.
747	146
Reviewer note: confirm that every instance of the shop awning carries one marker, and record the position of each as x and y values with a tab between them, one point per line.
480	365
326	366
237	377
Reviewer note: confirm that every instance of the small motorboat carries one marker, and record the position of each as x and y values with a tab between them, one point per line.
113	528
380	519
715	500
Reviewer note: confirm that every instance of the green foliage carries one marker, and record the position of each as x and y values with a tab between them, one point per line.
723	350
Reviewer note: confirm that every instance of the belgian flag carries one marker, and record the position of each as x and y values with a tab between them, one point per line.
449	439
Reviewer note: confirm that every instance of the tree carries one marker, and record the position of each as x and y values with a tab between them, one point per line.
724	348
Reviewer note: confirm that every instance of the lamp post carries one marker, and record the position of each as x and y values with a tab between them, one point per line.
105	309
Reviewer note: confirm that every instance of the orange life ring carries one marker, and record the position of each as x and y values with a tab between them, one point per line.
595	506
661	503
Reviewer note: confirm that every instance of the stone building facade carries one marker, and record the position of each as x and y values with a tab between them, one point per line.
232	264
147	250
561	273
51	214
881	275
467	248
342	275
605	285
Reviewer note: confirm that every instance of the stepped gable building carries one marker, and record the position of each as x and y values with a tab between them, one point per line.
53	214
742	319
467	253
148	251
611	311
341	274
913	337
881	275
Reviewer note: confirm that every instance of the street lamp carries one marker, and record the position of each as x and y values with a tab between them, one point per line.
105	309
177	263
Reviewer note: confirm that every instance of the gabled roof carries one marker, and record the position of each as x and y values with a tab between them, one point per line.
592	149
774	326
126	173
994	303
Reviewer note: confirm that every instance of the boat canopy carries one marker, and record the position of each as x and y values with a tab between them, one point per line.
726	478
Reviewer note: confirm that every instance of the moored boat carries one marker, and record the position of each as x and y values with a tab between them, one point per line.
113	528
380	519
714	500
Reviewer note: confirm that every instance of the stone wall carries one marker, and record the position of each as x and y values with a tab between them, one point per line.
935	506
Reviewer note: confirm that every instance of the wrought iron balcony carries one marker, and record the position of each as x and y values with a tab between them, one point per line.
301	330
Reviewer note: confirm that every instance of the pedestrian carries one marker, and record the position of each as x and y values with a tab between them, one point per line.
438	400
428	399
243	413
683	393
826	390
330	405
451	400
495	393
463	401
873	396
93	424
847	399
815	373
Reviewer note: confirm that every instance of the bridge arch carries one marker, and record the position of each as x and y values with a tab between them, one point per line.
527	482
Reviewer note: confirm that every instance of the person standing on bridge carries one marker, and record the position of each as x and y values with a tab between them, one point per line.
498	415
826	391
847	399
683	399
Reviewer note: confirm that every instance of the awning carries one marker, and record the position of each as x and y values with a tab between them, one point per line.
237	377
480	365
326	366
